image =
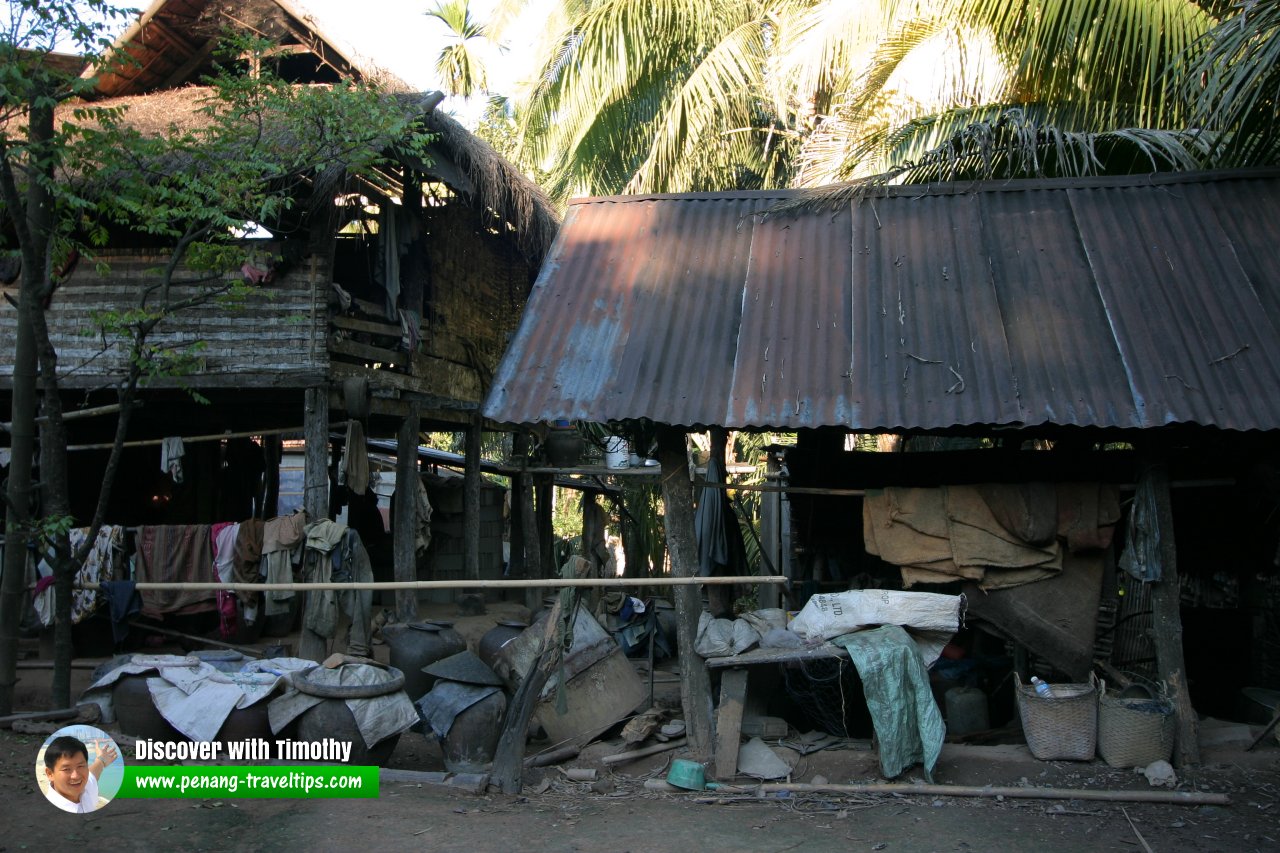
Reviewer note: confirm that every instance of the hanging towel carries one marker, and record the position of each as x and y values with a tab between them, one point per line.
171	453
248	553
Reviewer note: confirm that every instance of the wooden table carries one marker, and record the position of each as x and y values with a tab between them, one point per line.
733	694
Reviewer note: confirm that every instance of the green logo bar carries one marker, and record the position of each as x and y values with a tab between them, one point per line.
329	782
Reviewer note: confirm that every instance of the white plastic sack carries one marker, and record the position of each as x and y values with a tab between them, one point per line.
719	638
832	614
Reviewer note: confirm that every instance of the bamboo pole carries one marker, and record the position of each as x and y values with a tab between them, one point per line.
522	583
214	436
1188	798
641	753
1171	798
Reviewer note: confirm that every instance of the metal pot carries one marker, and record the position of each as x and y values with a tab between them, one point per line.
414	645
563	447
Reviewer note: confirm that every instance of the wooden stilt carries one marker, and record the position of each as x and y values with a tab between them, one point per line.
1167	622
471	503
677	496
404	527
315	499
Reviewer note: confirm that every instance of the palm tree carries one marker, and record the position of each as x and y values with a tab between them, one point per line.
460	66
673	95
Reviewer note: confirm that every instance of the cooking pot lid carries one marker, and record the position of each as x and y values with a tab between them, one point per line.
424	626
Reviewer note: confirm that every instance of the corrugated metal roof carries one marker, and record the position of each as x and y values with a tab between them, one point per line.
1121	302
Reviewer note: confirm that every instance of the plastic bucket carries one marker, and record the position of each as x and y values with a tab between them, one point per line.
687	774
617	454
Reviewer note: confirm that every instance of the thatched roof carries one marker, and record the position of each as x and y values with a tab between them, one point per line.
172	42
465	163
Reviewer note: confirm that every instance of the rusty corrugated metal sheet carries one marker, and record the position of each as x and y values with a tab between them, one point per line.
1119	302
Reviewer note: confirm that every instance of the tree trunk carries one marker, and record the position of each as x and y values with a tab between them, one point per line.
34	230
677	496
471	482
18	494
55	490
404	527
1166	617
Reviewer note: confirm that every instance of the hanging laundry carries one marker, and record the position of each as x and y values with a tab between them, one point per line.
280	538
179	553
171	453
247	560
355	458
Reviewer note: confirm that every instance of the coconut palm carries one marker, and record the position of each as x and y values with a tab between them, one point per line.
671	95
460	65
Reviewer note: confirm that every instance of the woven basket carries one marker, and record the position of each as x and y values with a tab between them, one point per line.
1134	731
1063	726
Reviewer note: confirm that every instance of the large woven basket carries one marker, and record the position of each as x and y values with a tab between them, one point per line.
1134	731
1063	726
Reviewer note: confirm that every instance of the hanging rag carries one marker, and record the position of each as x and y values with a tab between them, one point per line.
356	459
246	562
1141	557
171	453
351	565
123	601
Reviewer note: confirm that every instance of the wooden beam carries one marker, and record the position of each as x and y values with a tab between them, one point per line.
677	496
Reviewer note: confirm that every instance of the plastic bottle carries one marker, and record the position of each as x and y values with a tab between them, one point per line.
1042	688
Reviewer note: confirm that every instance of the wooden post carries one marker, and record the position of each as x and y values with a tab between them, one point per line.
677	496
272	450
545	486
1166	617
471	502
315	494
523	497
404	527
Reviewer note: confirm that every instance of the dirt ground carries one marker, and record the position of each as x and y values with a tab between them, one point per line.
618	814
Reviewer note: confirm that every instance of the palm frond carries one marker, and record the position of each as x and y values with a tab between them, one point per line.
1233	86
1015	146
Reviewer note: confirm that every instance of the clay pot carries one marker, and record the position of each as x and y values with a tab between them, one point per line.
494	639
247	724
333	719
137	714
415	645
473	738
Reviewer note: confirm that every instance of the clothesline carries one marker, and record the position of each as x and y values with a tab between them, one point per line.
217	436
524	583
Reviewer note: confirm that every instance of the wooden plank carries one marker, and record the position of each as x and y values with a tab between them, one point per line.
733	695
826	651
359	350
355	324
